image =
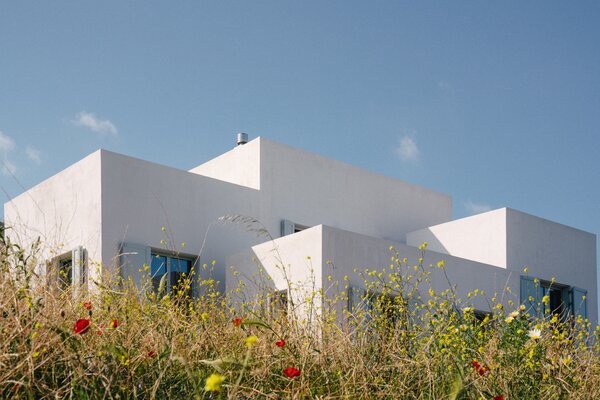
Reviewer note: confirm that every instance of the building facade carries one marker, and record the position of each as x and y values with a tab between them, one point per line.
299	217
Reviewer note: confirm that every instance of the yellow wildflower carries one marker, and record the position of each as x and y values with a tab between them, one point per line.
213	383
250	340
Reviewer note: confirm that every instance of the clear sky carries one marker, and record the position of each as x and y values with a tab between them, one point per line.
494	103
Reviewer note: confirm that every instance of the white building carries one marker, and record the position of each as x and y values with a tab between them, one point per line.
110	214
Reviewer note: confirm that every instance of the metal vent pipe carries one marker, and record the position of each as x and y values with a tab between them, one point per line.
242	138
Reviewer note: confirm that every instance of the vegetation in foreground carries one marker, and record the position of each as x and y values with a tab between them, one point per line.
399	344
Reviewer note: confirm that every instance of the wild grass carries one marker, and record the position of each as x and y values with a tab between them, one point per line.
120	343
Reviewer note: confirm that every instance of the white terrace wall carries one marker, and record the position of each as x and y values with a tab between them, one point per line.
348	251
552	250
480	237
514	240
291	262
337	254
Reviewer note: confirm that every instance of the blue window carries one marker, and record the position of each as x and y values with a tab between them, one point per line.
170	268
559	299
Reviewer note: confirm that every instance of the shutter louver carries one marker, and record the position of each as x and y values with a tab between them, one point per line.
579	302
78	266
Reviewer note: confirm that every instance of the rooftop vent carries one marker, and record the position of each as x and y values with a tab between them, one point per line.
242	138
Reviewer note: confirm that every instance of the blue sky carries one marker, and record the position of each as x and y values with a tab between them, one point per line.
496	104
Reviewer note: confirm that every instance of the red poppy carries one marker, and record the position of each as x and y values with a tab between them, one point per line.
99	332
87	305
114	324
151	353
237	321
499	398
291	372
478	368
81	326
280	343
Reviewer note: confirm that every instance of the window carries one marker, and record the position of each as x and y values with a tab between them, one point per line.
557	302
68	269
289	227
383	309
299	228
278	304
171	268
481	315
65	271
550	298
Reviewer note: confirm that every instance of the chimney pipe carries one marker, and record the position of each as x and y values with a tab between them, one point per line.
242	138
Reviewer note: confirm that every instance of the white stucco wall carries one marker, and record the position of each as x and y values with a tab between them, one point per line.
309	189
133	199
108	199
480	237
63	211
140	197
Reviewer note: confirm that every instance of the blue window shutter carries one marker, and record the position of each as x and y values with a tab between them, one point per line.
287	227
531	296
359	304
579	301
132	259
355	300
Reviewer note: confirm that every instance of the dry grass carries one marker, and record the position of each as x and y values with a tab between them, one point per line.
165	347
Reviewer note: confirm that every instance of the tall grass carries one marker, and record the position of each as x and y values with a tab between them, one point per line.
400	344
